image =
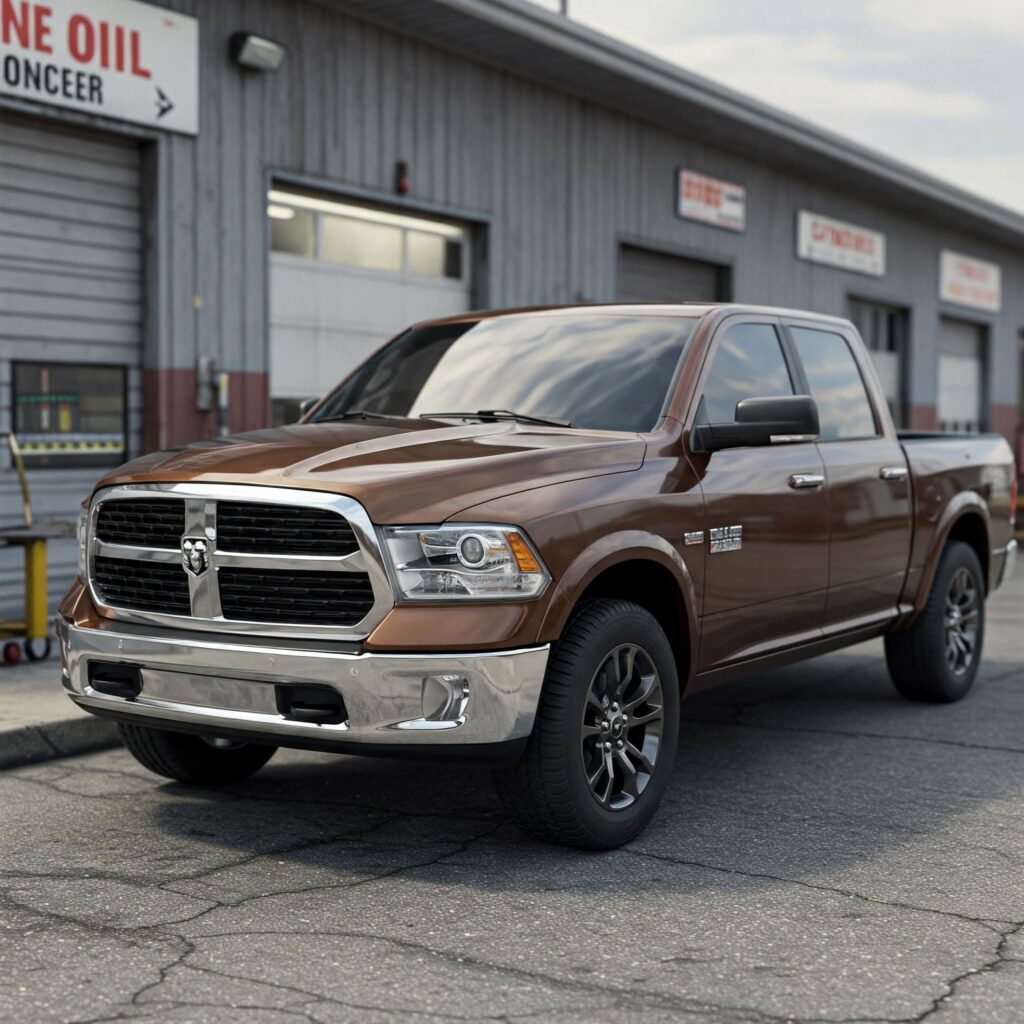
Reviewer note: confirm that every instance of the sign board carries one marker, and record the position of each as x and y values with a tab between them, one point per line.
825	240
970	282
712	201
117	58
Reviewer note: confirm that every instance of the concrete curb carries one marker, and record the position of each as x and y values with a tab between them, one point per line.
45	741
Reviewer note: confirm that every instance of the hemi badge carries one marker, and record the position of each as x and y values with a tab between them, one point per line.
693	537
726	538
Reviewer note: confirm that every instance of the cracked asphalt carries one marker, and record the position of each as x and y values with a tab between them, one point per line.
827	853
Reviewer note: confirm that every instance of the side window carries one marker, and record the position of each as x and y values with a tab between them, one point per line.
836	384
748	363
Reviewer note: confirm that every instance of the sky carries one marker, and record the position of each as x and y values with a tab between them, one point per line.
938	84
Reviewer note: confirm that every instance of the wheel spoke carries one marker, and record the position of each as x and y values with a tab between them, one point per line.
652	715
647	685
624	668
645	761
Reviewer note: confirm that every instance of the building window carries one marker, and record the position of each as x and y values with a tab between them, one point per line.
886	333
365	237
70	415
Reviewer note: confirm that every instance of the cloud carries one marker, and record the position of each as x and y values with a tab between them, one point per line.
997	177
986	17
817	77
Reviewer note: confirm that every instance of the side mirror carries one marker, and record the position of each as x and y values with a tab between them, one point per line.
761	421
306	405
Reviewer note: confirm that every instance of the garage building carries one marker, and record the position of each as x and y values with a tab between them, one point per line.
174	206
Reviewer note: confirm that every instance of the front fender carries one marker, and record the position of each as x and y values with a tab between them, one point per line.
617	549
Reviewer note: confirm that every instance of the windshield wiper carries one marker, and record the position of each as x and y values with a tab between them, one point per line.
495	414
358	414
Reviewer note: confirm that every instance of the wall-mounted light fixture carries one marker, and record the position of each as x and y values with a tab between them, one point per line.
256	52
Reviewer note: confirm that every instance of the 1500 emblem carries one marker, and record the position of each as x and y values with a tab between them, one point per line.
726	538
195	555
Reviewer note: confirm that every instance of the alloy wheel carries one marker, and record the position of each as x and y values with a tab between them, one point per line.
622	727
963	609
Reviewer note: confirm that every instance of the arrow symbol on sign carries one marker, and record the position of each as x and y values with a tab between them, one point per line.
163	104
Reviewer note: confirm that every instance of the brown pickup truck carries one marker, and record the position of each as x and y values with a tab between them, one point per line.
522	537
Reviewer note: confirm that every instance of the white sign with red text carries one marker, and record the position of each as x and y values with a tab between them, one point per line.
826	240
116	58
712	201
970	282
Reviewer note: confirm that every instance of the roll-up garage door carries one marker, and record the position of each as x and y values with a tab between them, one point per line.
70	322
961	375
648	276
345	277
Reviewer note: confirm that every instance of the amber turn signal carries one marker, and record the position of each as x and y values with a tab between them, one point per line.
522	553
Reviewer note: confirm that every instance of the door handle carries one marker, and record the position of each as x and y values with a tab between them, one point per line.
799	481
893	472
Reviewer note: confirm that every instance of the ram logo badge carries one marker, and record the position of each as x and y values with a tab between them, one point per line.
726	538
195	555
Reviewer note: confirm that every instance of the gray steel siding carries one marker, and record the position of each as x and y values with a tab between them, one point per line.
561	181
70	291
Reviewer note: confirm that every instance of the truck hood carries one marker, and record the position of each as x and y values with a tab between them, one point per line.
400	471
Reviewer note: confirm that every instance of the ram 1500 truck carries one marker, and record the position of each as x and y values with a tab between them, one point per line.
523	536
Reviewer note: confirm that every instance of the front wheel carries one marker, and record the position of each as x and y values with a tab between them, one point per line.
937	659
604	741
196	760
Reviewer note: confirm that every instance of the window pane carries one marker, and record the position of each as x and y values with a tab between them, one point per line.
361	243
69	415
748	363
604	372
836	384
291	230
426	254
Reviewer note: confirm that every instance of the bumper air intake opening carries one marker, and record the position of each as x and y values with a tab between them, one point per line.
320	705
116	679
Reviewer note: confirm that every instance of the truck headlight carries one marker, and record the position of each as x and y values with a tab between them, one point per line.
82	534
463	561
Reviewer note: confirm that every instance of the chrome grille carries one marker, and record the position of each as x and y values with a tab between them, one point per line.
282	529
149	586
240	559
275	596
157	524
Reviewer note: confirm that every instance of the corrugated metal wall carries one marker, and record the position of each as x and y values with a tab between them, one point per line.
70	291
560	181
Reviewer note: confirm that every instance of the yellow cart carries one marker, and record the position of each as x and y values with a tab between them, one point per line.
32	537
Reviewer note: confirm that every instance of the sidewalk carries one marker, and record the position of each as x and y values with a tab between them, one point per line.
38	722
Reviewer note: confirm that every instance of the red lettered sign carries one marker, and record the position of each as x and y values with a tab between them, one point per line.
118	58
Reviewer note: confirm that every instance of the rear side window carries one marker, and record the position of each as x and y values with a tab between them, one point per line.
844	410
748	363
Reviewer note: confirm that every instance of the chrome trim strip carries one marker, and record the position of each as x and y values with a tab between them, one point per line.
132	553
220	684
200	519
310	563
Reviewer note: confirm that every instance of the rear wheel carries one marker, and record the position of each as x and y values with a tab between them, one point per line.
196	760
604	741
937	659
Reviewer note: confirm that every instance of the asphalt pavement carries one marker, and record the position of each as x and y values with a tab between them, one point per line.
827	852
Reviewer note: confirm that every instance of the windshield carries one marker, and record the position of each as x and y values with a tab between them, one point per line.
597	372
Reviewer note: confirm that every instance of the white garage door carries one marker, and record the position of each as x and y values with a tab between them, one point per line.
343	279
961	376
70	322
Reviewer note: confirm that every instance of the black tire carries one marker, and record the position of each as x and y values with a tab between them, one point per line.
547	791
193	759
927	662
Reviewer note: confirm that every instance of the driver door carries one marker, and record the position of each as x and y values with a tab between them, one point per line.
766	508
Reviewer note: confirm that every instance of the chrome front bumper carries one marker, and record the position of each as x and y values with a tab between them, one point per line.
201	684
